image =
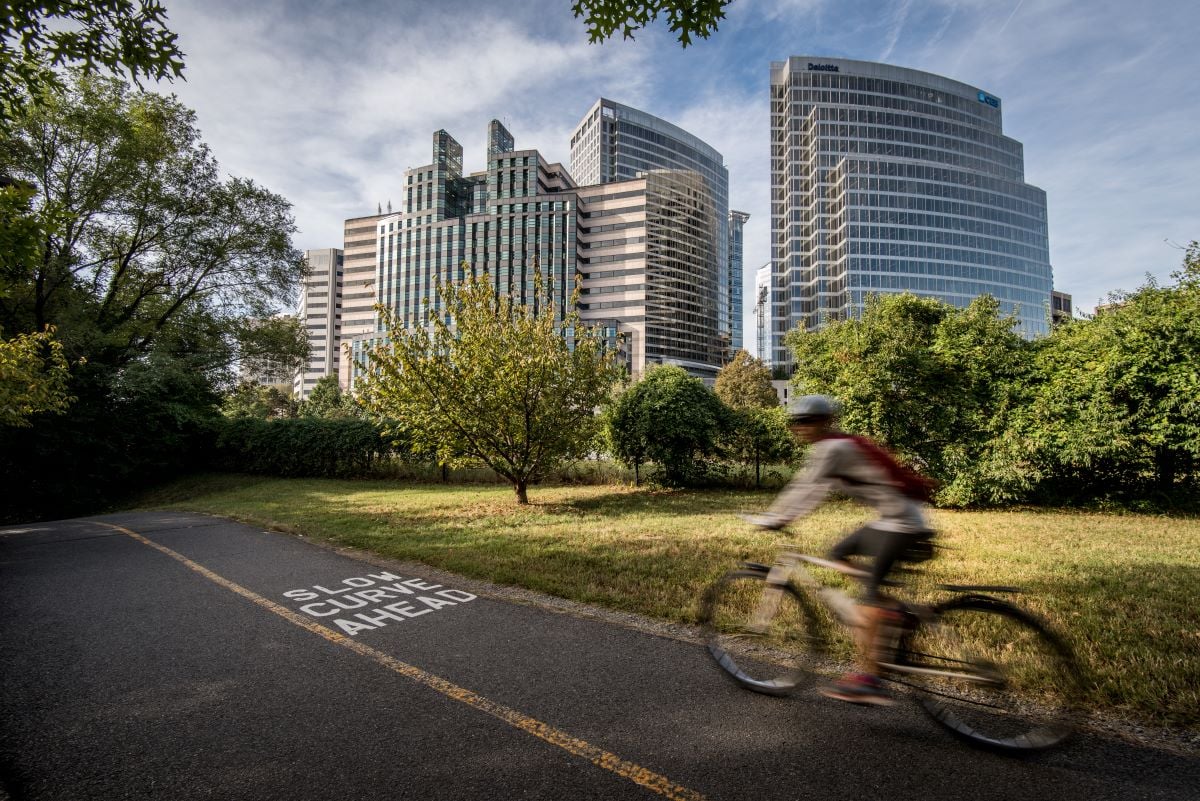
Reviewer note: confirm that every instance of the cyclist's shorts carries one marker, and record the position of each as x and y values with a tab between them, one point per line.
884	548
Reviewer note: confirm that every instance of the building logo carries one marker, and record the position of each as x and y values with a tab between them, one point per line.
994	102
823	67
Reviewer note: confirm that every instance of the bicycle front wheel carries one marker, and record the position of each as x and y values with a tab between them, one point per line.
761	634
992	674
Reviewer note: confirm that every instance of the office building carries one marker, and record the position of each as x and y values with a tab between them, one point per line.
762	313
358	286
1060	309
689	314
320	314
737	223
886	179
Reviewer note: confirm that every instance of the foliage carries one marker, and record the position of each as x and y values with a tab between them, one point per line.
304	447
930	382
512	385
688	18
745	383
1115	400
669	418
38	37
258	402
33	378
328	401
151	267
758	436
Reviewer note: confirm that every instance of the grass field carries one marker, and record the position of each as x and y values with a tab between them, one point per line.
1123	588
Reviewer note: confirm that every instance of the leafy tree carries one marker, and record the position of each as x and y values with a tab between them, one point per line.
33	378
258	402
745	383
931	382
328	401
493	380
36	38
1115	400
758	436
687	18
669	418
151	267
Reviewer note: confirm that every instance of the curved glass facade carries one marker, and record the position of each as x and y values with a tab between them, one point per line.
688	283
886	179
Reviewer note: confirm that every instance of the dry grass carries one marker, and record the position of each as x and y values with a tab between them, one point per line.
1121	587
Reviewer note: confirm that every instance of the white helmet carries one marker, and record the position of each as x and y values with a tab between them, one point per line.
812	408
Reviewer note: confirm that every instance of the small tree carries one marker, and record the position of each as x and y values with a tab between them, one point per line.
494	380
745	383
328	401
669	418
759	436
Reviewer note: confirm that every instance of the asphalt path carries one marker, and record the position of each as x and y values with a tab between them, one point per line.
175	656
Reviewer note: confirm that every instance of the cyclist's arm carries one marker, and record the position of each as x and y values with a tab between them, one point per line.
806	490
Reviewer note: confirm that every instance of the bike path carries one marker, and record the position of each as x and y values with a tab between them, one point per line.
191	657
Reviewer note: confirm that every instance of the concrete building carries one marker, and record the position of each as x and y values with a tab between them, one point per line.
688	284
358	286
320	314
886	179
1060	309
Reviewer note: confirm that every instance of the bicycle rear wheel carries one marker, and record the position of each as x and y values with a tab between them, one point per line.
992	674
768	656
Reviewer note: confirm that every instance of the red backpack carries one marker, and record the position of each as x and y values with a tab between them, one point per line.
909	482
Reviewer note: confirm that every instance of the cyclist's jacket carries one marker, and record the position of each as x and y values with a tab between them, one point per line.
837	463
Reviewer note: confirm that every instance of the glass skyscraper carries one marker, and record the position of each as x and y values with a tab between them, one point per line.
886	179
688	289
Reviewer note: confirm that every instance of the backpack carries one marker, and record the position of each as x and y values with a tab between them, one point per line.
909	482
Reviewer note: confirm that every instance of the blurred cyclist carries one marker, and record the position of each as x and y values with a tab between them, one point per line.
856	467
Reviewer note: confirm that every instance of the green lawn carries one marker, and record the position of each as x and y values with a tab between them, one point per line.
1122	587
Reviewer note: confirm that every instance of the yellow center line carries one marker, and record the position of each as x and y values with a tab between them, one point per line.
543	731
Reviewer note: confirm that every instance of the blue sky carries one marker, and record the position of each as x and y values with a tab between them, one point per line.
327	103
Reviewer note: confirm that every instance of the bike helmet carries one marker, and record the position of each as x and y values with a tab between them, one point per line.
812	409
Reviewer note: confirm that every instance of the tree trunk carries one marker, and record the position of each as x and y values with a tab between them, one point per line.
445	474
1165	457
637	476
522	496
757	472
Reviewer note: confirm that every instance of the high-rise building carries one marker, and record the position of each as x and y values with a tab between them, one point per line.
737	223
320	314
762	313
358	286
886	179
688	318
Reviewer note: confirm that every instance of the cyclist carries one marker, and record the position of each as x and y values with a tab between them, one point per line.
858	468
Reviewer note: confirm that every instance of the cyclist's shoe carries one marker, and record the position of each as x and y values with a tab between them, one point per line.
858	688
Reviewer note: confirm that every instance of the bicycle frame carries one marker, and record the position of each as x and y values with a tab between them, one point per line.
789	567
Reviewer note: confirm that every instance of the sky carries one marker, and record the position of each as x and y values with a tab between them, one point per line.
328	103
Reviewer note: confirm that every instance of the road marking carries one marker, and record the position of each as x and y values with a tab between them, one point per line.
543	731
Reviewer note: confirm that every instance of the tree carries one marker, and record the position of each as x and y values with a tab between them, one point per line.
492	379
745	383
33	378
931	382
688	18
36	38
329	402
669	418
1114	400
758	436
258	402
152	267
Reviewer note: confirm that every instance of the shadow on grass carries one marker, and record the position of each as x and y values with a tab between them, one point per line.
1136	632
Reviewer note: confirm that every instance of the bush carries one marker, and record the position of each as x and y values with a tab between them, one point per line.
308	447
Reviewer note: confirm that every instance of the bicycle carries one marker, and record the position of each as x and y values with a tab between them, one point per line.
977	661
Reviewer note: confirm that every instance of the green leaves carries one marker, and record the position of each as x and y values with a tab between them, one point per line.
38	37
745	383
687	18
491	379
669	418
